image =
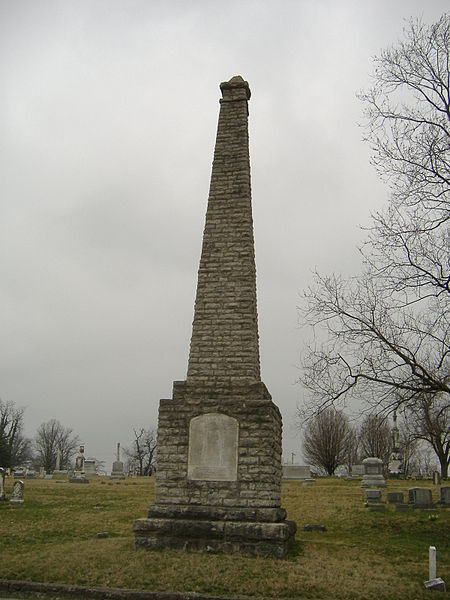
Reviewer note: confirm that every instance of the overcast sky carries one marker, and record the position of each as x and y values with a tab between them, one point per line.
108	116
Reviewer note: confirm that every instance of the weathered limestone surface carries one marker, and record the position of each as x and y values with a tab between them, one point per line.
218	477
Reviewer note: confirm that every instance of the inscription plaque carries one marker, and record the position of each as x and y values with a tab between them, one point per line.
213	448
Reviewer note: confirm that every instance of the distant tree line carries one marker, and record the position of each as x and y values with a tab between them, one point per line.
331	440
53	439
141	455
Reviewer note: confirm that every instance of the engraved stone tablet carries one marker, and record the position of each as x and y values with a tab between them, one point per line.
213	443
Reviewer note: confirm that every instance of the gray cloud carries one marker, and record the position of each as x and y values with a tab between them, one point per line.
108	122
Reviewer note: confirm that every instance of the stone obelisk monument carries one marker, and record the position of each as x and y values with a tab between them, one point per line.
218	477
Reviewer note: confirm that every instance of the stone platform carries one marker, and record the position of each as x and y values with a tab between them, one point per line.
255	532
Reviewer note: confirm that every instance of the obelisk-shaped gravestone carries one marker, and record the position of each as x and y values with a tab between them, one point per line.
218	476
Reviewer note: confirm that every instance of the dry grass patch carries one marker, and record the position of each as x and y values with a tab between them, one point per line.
361	555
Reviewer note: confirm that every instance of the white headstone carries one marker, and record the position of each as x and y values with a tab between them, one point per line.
432	556
17	492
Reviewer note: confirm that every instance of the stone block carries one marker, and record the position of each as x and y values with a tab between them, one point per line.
253	538
435	585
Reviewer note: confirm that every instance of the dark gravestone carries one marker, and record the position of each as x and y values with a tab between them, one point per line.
395	497
420	497
372	496
445	496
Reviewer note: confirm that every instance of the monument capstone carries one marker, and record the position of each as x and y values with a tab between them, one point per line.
218	475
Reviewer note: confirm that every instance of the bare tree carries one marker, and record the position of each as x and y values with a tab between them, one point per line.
142	454
375	438
15	448
409	447
52	437
325	440
352	448
430	421
386	331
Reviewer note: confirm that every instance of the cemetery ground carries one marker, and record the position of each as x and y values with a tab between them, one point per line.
362	554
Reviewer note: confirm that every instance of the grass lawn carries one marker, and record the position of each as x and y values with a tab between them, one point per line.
363	555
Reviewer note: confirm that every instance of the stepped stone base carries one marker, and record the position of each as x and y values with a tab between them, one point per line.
117	470
256	532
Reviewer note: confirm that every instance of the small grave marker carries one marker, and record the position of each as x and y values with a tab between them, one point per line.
434	583
17	492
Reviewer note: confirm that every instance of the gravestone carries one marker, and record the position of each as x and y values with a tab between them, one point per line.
78	475
372	496
395	497
58	470
218	474
117	466
17	492
2	484
79	463
90	469
445	496
419	497
357	471
436	478
297	472
373	473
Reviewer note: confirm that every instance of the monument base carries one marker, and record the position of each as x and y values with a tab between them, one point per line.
117	470
252	531
78	480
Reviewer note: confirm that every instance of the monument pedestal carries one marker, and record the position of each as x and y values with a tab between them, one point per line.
117	470
218	477
256	532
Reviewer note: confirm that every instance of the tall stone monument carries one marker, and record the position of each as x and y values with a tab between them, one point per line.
218	477
117	466
395	458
